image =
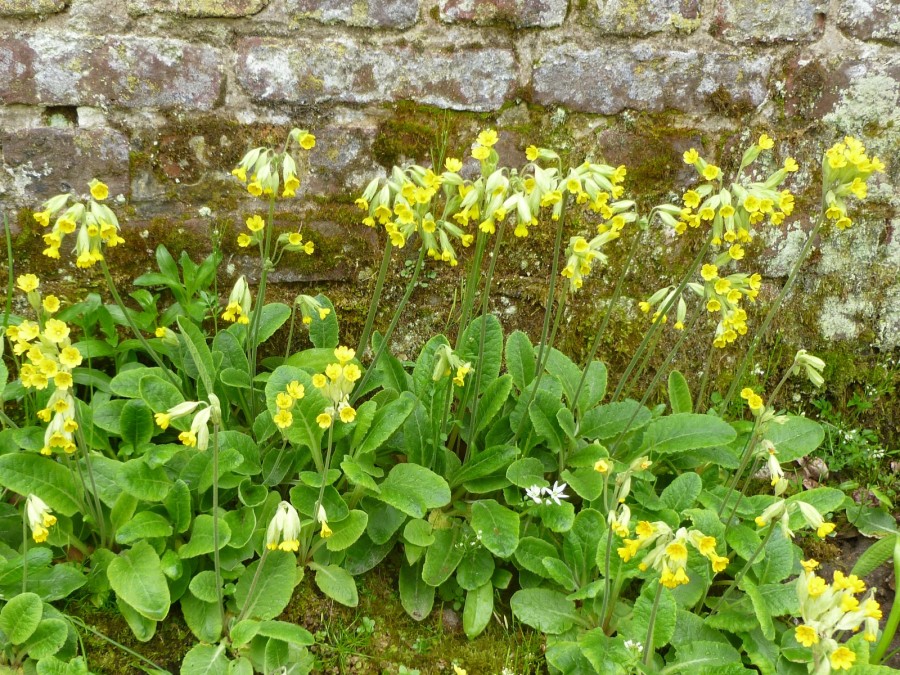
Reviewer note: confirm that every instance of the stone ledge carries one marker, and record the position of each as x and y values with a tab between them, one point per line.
367	14
197	8
769	21
53	68
520	13
644	17
31	7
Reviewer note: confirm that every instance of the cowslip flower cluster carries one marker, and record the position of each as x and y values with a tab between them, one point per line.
60	416
265	171
446	362
766	449
669	552
283	532
724	294
29	284
846	169
239	303
198	434
732	210
96	224
782	510
309	306
754	400
828	609
811	365
336	385
50	355
40	518
285	401
581	255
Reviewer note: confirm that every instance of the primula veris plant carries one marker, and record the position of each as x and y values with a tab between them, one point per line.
186	471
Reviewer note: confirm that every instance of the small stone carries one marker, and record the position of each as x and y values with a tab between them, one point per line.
450	620
368	13
743	21
197	8
520	13
870	19
56	68
348	71
31	7
643	17
609	80
66	160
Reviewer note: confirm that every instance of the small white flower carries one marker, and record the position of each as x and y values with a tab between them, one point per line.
634	645
557	492
534	492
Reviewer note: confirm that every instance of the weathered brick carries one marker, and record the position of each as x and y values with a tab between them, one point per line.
643	17
609	80
342	159
71	69
815	89
31	7
197	8
368	13
64	160
347	71
870	19
742	21
520	13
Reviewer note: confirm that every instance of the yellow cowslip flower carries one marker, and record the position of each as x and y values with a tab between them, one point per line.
51	304
713	305
323	420
283	532
711	172
283	418
461	372
481	152
42	218
790	165
295	390
719	563
709	272
601	466
27	282
291	183
284	401
99	190
532	152
736	252
325	532
691	199
488	138
806	635
810	565
70	357
347	414
240	173
765	142
344	355
39	517
307	141
255	188
244	240
295	239
816	586
691	156
56	330
255	223
453	165
842	658
824	530
334	371
727	211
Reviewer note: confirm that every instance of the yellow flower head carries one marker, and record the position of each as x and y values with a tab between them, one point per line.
295	390
481	152
99	190
323	420
284	401
601	466
56	331
824	530
810	565
453	165
70	357
348	414
27	282
711	172
532	152
765	143
709	272
842	658
488	137
307	141
283	418
244	240
51	304
255	223
691	156
806	635
344	354
790	165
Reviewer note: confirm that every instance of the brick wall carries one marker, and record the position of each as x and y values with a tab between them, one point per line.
161	97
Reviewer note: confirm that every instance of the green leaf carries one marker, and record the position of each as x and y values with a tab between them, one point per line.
21	616
28	474
682	492
563	369
143	628
687	431
203	618
201	541
144	525
205	660
347	531
178	506
531	552
271	318
543	416
796	438
492	401
490	359
743	539
48	639
203	586
610	420
475	569
527	472
478	610
414	490
384	520
136	423
703	657
443	556
520	359
127	383
544	609
586	483
274	587
485	463
199	352
497	526
336	583
143	482
136	577
779	559
323	333
875	556
759	607
416	596
418	532
666	613
679	393
158	393
594	388
386	422
287	632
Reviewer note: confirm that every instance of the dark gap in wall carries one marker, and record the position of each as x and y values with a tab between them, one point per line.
60	116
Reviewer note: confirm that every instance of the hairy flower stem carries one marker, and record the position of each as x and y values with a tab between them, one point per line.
97	506
657	325
745	568
290	338
617	293
656	378
893	620
325	468
606	580
749	447
131	324
704	380
767	322
215	507
471	287
649	651
258	306
551	290
485	297
376	298
10	273
24	551
391	327
253	583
